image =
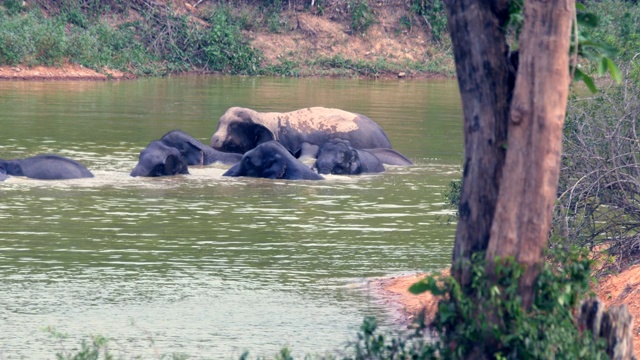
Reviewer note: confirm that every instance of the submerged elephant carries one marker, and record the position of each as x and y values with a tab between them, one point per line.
44	167
159	159
271	160
241	129
195	152
337	156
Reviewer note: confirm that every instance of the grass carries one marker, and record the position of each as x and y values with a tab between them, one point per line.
155	41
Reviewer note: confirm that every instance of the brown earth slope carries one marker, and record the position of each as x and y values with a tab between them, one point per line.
304	34
623	288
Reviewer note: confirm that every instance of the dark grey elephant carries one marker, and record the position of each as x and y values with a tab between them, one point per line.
337	156
195	152
241	129
172	154
159	159
44	167
273	161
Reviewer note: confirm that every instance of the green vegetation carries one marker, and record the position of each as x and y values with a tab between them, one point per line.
432	11
492	319
151	40
361	15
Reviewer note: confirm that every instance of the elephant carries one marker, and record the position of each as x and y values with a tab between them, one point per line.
241	129
159	159
272	160
44	167
337	156
195	152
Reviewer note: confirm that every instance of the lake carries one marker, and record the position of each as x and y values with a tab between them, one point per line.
206	265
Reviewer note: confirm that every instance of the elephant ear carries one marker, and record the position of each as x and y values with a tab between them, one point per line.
3	173
261	134
174	164
276	169
354	162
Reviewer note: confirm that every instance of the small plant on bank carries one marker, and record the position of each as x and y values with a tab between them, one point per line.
492	321
362	16
433	14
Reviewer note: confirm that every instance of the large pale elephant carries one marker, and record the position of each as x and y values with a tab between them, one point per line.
241	129
44	167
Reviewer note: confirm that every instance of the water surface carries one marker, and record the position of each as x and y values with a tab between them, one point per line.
203	264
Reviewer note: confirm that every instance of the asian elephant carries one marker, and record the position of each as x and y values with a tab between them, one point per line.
337	156
241	129
273	161
195	152
159	159
44	167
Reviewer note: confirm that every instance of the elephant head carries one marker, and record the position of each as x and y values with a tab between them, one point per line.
240	131
272	161
158	159
336	156
196	153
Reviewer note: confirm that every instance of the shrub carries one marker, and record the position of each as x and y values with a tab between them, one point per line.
432	11
362	16
599	183
492	321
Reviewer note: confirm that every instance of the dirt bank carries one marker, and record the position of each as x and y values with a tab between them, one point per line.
623	288
66	72
313	42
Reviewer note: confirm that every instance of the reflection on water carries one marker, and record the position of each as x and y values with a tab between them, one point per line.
203	264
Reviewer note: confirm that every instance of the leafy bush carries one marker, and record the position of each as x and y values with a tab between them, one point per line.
362	16
492	321
432	11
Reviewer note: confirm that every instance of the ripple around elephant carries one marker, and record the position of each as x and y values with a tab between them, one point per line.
195	152
44	167
337	156
158	159
271	160
241	129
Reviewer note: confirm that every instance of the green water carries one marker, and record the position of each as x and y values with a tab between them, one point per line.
203	264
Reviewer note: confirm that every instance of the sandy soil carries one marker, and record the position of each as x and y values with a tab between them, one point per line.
66	72
623	288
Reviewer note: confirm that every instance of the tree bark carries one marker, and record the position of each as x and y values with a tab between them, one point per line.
528	187
482	66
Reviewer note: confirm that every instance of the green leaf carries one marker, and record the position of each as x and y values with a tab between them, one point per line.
614	70
580	75
602	65
587	20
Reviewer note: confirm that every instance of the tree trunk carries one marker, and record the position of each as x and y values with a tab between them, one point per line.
528	188
481	56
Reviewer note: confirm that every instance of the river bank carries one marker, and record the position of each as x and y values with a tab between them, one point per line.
613	290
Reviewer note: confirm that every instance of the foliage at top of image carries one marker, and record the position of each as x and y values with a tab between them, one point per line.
161	41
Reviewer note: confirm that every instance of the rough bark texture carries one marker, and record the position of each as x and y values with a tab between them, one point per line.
481	54
614	325
528	188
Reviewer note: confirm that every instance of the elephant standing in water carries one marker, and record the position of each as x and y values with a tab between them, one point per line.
241	129
195	152
44	167
158	159
337	156
273	161
174	151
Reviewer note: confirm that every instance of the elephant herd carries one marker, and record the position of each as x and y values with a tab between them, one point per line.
265	145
